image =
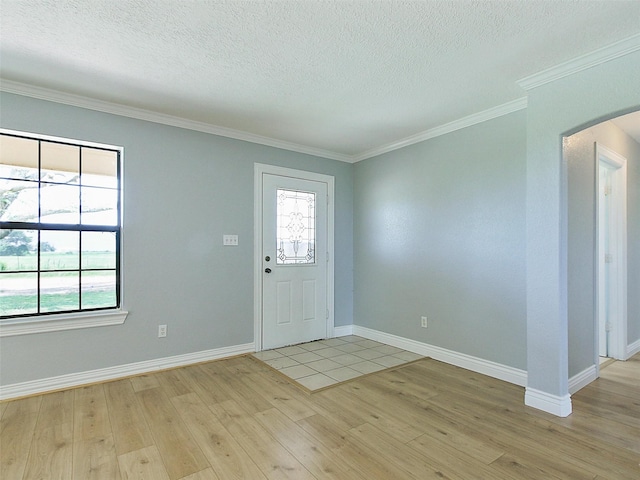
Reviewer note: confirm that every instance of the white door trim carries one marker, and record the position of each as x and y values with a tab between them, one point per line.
618	164
259	170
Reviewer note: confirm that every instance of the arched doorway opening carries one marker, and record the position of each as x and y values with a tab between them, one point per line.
603	243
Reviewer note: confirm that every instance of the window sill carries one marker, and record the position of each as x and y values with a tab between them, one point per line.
65	321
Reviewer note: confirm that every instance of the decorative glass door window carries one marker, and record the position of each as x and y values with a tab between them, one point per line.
296	227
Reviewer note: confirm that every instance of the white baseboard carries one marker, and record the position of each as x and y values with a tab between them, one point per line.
559	406
479	365
111	373
590	374
343	331
582	379
633	348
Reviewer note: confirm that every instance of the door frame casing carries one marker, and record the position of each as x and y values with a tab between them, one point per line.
618	164
259	170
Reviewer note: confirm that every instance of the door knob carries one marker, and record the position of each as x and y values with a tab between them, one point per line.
267	270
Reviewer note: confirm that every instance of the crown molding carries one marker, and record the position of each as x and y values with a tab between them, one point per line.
56	96
459	124
583	62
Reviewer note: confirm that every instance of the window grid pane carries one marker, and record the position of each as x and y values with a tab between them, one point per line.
59	291
99	289
59	163
18	201
59	250
59	203
18	293
18	158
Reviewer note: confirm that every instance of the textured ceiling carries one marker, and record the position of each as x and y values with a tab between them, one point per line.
342	76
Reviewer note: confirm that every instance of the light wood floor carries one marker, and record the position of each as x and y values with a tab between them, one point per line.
237	418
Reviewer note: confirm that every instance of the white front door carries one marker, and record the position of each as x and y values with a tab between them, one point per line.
294	260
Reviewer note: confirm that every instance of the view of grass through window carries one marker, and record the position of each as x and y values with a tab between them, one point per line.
59	226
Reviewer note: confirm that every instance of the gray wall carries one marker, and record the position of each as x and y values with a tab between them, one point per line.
561	107
581	167
183	190
439	230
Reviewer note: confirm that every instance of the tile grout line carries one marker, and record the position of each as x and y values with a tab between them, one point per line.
284	356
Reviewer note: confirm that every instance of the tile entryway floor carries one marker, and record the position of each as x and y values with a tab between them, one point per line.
324	363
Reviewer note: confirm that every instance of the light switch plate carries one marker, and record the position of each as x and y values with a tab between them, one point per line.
230	240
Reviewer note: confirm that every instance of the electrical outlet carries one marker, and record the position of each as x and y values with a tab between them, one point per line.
162	331
423	321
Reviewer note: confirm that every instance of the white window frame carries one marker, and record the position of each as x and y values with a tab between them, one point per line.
39	323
